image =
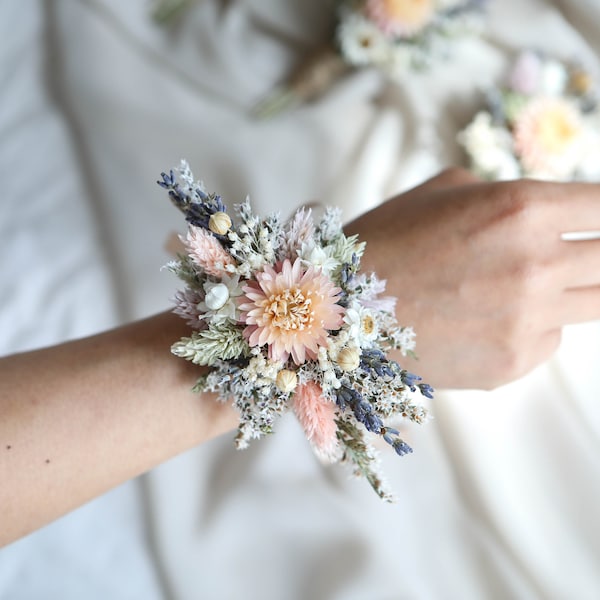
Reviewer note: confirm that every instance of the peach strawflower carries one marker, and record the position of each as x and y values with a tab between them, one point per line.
290	309
206	251
546	134
401	18
317	417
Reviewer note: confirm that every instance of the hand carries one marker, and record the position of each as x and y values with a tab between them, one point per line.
481	272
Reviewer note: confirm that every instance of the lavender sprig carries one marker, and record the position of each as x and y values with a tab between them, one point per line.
198	206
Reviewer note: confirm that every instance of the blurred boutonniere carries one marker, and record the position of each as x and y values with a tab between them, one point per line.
542	123
393	36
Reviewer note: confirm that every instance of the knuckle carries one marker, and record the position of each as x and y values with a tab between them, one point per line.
517	205
508	218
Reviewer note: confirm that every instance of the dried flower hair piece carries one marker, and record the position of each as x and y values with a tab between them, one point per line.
286	321
394	36
543	123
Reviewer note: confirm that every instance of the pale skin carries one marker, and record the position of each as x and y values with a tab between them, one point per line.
481	273
82	417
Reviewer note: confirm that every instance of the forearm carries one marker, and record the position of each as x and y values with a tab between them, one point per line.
80	418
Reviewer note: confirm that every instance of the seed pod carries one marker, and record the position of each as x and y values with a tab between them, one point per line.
286	380
348	359
219	223
217	296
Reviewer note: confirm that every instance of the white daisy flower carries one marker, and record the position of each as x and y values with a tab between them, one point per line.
361	41
363	328
317	256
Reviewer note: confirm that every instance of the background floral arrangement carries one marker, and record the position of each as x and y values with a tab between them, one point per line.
398	34
281	314
390	35
544	123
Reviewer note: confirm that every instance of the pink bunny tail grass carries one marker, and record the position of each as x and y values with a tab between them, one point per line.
317	417
300	230
207	252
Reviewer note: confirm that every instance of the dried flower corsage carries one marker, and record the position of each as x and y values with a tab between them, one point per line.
544	123
285	320
391	35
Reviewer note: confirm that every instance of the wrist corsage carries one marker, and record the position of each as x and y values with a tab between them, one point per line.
543	123
285	320
394	36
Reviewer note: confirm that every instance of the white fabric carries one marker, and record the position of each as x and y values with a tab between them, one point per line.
499	499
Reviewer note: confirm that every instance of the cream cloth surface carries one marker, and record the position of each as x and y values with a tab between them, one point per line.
499	499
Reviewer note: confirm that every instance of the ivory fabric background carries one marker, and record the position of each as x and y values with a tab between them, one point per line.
500	499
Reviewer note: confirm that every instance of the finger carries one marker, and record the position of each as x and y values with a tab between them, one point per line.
579	306
580	263
574	206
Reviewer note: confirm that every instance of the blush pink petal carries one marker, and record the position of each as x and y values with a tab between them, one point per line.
545	132
291	310
402	18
